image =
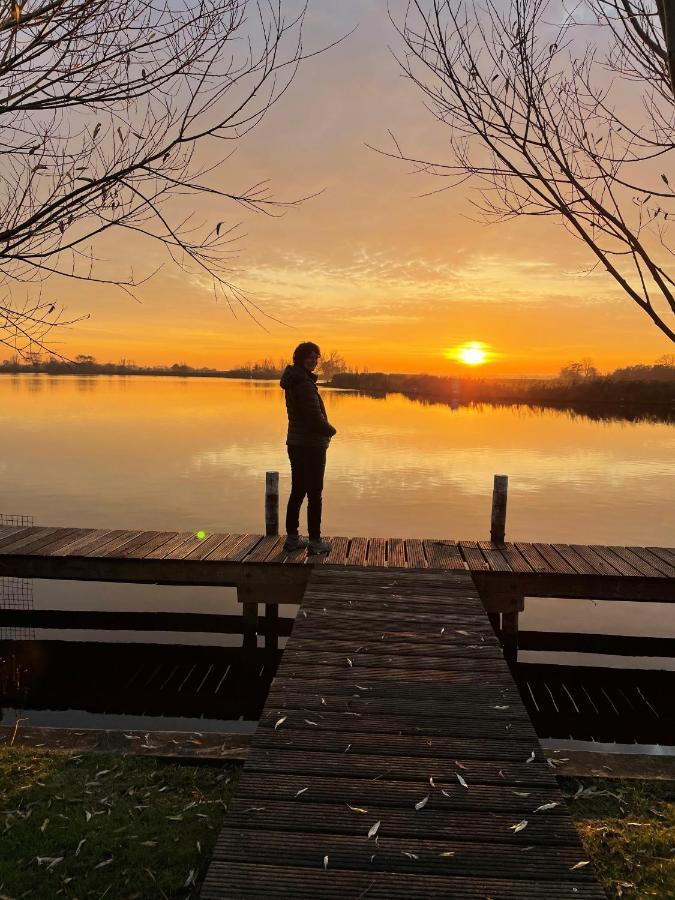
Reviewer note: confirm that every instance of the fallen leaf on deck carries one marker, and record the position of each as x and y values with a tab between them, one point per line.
461	780
280	722
358	809
580	865
460	765
422	803
546	806
410	855
447	853
530	757
308	722
519	827
349	661
301	791
373	829
521	793
325	862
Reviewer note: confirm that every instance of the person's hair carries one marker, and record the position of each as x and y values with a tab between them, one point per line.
303	350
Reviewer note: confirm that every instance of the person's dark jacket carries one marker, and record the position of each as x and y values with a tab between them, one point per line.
308	424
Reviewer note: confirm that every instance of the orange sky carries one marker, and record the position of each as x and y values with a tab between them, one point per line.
368	268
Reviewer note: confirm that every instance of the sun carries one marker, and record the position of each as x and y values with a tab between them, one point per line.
472	356
472	353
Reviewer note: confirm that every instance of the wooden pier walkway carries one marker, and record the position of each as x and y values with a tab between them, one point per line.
394	758
161	557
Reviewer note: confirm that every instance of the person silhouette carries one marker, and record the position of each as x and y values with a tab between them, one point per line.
309	434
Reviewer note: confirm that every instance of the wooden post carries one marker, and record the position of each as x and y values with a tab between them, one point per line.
250	615
495	622
510	636
498	521
271	503
271	625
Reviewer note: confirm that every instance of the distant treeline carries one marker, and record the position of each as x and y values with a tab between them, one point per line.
87	365
633	385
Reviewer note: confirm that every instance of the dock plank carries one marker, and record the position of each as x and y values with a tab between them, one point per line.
434	745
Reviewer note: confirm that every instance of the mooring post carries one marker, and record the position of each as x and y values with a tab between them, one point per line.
498	521
271	503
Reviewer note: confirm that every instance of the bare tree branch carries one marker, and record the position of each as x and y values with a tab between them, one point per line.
102	107
546	124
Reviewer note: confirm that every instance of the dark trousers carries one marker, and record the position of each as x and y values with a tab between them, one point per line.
307	467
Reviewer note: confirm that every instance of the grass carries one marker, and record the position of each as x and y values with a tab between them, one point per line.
627	828
94	825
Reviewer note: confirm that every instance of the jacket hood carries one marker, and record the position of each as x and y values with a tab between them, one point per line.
294	375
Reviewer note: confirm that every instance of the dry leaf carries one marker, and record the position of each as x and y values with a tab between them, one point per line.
461	780
358	809
106	862
521	793
580	865
446	794
350	663
422	803
461	631
460	765
79	847
301	791
280	722
519	827
530	757
502	707
346	748
431	782
546	806
308	722
409	855
373	829
447	853
325	862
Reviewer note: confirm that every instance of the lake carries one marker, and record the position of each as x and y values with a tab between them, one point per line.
179	454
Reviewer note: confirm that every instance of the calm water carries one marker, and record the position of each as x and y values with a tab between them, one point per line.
184	454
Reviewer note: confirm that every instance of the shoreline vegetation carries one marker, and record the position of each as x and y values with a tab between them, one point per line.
577	384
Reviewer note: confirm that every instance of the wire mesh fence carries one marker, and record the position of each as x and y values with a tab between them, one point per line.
15	593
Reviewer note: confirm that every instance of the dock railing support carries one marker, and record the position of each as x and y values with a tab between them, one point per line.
499	497
271	529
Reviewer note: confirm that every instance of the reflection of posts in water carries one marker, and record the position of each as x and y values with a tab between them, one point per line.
16	593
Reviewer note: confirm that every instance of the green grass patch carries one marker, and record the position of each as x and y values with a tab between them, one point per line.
628	831
95	825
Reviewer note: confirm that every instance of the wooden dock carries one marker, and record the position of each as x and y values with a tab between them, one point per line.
394	758
161	557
